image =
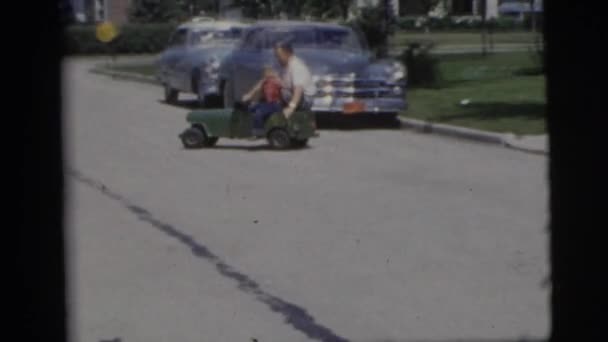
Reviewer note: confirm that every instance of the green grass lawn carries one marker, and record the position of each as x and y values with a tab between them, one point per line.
466	38
501	98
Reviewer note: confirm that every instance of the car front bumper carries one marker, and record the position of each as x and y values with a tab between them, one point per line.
209	88
378	105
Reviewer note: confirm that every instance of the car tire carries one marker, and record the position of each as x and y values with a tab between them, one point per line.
279	138
195	82
391	116
171	94
227	94
299	143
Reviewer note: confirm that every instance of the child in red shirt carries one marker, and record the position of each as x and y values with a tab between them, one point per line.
270	90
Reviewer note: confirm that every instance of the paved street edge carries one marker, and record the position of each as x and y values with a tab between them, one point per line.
505	139
508	140
125	75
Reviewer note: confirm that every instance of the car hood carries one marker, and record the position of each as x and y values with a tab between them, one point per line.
323	62
217	51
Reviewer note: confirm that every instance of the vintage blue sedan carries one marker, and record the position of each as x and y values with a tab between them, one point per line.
192	58
348	78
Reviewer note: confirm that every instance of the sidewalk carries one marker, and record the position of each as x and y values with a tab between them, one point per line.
469	48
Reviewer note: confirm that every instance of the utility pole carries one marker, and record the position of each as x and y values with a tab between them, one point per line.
386	26
484	23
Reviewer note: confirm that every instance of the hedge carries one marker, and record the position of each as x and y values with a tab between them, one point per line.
458	23
422	67
133	38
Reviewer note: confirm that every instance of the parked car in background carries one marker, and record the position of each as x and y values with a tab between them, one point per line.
191	60
348	78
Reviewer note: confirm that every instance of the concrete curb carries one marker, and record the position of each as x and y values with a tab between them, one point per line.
514	144
125	75
504	139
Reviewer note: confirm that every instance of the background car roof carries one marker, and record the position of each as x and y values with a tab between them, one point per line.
294	23
219	24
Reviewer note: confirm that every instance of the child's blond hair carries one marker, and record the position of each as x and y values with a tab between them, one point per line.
268	71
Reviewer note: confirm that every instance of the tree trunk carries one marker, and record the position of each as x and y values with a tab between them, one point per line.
344	6
532	16
484	27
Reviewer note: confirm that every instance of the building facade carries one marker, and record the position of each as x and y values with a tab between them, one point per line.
95	11
452	7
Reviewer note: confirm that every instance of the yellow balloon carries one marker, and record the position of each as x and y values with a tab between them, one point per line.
106	32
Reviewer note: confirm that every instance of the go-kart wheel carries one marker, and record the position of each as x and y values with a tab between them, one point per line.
299	143
193	138
171	94
196	137
279	138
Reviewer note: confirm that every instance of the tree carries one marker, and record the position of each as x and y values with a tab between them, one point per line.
327	9
157	11
257	8
194	7
483	9
294	8
429	5
532	15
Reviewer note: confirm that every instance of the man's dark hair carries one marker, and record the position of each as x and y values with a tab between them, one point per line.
285	46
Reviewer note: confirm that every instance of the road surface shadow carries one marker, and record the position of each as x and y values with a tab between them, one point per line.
324	121
252	148
450	340
184	104
293	315
521	339
358	122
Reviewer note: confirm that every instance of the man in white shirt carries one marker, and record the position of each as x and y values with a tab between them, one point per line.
297	85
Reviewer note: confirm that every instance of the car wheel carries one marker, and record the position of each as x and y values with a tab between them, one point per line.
299	143
195	82
279	138
228	94
171	94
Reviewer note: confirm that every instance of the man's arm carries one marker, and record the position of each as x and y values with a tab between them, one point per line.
251	93
295	100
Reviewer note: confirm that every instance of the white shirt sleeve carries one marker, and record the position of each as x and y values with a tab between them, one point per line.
301	76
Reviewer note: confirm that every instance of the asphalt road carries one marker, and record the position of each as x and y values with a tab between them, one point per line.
368	235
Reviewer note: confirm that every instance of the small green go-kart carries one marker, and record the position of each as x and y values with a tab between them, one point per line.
207	126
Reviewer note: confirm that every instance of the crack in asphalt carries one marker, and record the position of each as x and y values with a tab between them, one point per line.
295	316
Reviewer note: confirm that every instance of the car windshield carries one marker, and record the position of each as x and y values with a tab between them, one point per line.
211	36
304	37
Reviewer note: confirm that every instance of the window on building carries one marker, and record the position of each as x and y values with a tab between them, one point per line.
462	6
100	10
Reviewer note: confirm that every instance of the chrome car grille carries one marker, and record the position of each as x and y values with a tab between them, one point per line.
357	87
